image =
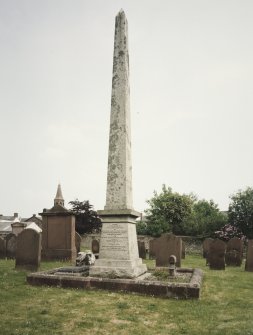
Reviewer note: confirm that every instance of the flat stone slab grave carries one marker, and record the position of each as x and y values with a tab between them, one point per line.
141	285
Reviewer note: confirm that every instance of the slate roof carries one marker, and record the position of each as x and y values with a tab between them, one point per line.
32	217
7	218
56	209
5	226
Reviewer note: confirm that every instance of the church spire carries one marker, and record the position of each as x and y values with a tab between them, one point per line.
58	200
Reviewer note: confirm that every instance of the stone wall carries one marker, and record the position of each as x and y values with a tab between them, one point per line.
193	245
87	240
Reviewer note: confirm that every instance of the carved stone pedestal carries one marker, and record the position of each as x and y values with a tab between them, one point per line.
118	256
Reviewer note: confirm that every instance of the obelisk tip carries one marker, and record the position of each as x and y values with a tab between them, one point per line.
121	12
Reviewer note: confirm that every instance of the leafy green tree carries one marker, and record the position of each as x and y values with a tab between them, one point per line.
240	212
206	218
182	215
141	227
87	220
168	211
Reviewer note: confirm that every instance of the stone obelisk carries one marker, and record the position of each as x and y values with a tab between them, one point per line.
118	255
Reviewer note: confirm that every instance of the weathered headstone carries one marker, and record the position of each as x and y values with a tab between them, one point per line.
28	252
95	247
2	248
234	252
165	246
249	257
78	240
11	246
152	248
216	256
206	246
183	249
118	254
142	249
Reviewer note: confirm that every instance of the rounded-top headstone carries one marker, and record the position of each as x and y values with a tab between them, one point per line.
28	252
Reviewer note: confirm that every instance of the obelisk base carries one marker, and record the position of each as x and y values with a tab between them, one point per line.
108	268
118	254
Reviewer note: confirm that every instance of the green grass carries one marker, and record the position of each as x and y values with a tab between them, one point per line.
225	307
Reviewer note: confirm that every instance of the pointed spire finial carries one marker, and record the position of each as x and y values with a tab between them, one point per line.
58	200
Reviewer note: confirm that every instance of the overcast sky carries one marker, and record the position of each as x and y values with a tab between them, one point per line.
191	86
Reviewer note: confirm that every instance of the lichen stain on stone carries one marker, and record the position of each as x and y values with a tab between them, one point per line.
115	80
115	62
113	102
113	166
119	158
112	177
113	146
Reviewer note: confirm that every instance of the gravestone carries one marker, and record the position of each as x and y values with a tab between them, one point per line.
152	248
142	249
206	246
183	249
11	246
95	247
28	252
2	248
216	256
78	240
234	252
165	246
249	257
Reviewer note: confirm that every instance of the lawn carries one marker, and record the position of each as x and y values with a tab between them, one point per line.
225	307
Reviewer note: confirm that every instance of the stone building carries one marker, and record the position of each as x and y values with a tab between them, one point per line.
58	231
15	224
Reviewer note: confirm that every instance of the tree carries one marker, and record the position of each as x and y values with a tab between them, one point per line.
240	212
141	228
205	219
168	211
182	215
87	220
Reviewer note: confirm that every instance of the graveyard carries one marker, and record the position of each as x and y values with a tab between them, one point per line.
225	306
165	279
51	284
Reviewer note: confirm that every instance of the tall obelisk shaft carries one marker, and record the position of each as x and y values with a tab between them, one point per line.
119	175
118	253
